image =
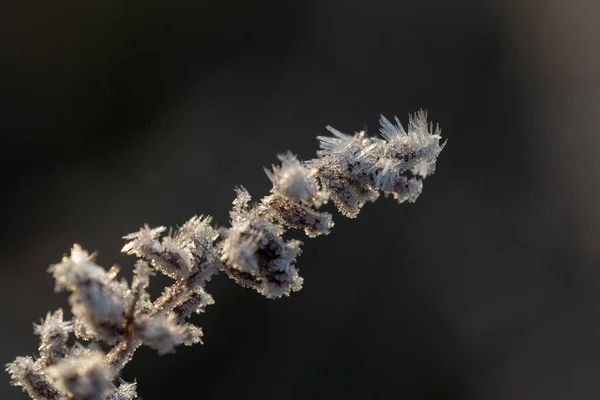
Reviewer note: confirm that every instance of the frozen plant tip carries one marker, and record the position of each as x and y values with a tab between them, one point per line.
350	170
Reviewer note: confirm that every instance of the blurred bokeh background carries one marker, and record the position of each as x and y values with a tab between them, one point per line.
115	114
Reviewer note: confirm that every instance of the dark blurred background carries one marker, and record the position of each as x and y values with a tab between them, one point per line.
115	114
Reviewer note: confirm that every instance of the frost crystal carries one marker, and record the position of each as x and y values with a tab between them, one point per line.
255	253
84	378
28	374
294	181
197	236
54	333
160	333
140	298
351	170
179	256
197	300
97	300
125	391
290	214
167	257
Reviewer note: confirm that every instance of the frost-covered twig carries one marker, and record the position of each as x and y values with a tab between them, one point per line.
349	170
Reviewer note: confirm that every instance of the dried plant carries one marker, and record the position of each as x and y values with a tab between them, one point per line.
349	170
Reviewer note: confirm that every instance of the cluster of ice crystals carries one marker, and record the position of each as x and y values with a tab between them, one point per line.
196	301
83	378
140	298
111	311
294	181
163	334
291	214
97	300
166	256
125	391
294	198
335	165
418	148
255	253
354	168
54	333
81	374
28	373
197	236
179	256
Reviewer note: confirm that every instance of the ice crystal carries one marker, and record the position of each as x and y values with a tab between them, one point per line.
354	168
294	181
125	391
54	333
84	378
161	333
256	255
28	373
97	300
166	256
291	214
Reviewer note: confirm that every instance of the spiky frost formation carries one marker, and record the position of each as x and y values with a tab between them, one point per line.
255	254
125	391
79	350
140	298
98	301
195	301
416	150
294	181
353	169
295	215
294	198
163	334
83	378
28	373
188	251
198	237
166	256
53	333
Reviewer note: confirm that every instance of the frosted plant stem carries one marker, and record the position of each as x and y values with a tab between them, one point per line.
122	353
350	171
176	294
